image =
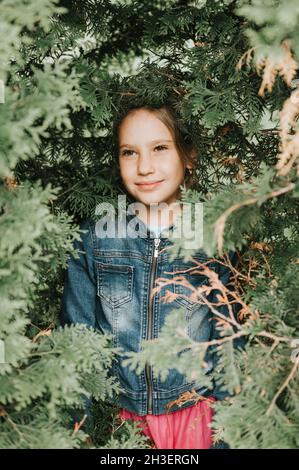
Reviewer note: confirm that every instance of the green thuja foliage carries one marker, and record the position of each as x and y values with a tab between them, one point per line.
69	68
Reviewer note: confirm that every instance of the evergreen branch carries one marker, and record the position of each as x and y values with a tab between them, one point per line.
284	385
275	338
220	341
221	221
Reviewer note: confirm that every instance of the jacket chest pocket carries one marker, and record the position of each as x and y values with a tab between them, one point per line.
184	292
114	283
197	314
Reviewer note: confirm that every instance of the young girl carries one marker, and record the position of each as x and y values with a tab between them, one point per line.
109	286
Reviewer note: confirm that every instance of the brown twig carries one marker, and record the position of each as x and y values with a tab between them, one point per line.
283	386
77	426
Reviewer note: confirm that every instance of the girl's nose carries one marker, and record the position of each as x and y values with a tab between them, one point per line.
145	163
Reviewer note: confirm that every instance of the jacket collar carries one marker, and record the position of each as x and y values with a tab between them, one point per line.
143	228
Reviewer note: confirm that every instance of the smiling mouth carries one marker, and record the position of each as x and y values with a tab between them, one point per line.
149	185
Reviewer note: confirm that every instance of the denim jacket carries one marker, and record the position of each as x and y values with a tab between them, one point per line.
108	288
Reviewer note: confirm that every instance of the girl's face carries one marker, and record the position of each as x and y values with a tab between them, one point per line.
150	166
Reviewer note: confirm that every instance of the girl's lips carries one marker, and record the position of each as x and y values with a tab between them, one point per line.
148	186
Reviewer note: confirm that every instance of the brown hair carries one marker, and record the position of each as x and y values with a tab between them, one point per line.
182	139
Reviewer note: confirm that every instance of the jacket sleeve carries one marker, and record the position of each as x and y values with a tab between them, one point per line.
80	283
225	277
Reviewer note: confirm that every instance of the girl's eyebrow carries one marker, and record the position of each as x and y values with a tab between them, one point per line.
151	142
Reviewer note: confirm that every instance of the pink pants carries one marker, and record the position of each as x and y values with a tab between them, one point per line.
182	429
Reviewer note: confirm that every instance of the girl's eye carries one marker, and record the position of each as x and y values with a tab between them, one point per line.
127	153
161	147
